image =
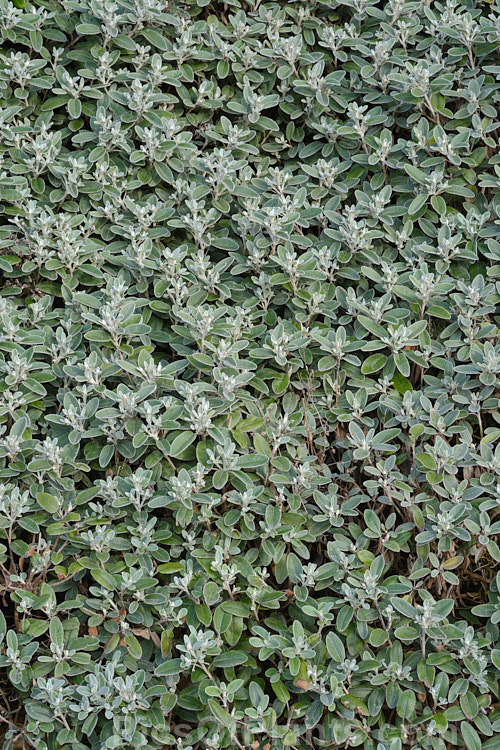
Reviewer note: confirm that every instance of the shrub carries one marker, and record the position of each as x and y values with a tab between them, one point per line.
250	347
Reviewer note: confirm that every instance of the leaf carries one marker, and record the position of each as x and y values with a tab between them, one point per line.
344	618
401	384
261	445
171	567
470	736
293	567
251	461
280	691
236	608
106	455
373	363
404	607
220	479
47	502
112	644
155	38
377	330
133	645
335	647
85	29
224	243
438	311
229	659
222	716
181	443
406	704
104	579
495	658
171	667
469	705
56	631
280	384
427	461
211	592
417	204
74	108
402	363
416	174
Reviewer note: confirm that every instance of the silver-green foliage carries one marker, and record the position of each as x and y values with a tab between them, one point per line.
250	359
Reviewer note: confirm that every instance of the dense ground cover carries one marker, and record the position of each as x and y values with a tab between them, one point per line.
250	358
